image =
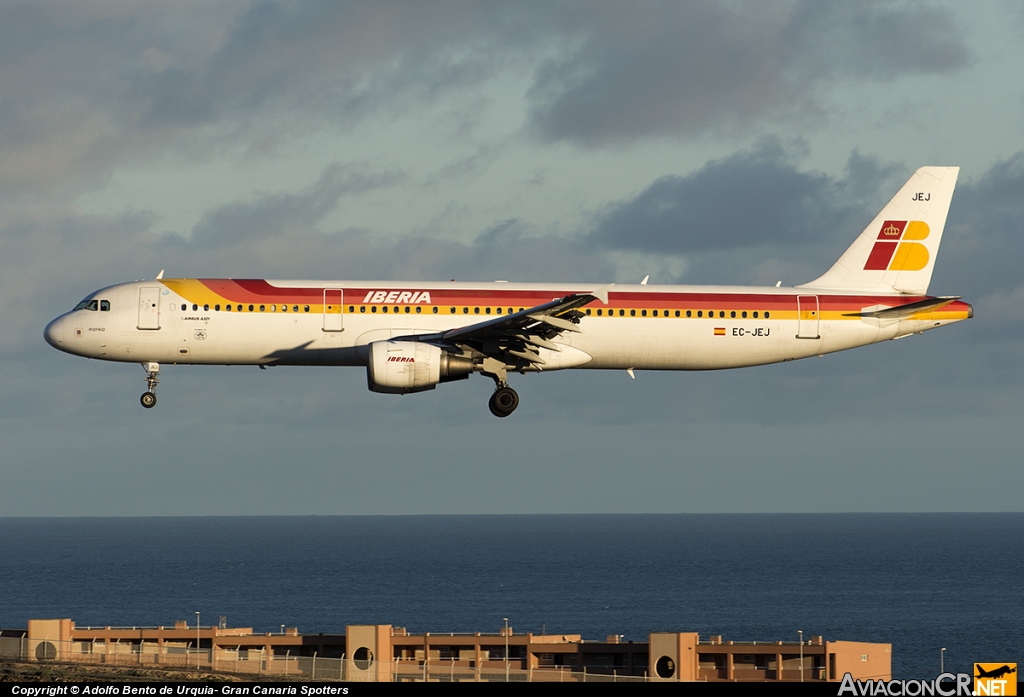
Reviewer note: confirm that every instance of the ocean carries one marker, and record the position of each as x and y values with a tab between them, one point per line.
918	581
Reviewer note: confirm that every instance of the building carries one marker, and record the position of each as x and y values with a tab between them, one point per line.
387	653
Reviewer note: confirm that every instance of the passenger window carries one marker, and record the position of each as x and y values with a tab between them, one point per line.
263	308
632	313
498	310
643	312
465	310
487	311
239	308
655	313
732	314
295	308
362	308
700	313
743	314
476	310
206	308
588	313
374	308
273	308
228	308
721	313
251	308
688	313
418	309
766	314
384	309
407	309
194	307
434	308
755	314
104	306
510	311
184	307
305	308
622	313
216	308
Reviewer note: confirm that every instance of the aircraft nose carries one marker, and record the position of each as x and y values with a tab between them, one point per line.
54	333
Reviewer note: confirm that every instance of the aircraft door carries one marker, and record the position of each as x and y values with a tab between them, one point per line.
149	307
807	317
333	299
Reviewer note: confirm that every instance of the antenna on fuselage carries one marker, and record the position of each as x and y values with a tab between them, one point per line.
644	282
160	275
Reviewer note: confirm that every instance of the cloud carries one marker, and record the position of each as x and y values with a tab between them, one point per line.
751	210
683	69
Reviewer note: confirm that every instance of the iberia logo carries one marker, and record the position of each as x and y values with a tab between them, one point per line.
894	249
995	679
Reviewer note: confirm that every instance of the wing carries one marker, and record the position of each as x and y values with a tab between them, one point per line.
514	339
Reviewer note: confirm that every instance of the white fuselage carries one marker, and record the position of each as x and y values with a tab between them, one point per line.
330	323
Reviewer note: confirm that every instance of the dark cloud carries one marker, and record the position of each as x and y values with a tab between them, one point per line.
750	208
670	69
88	87
273	216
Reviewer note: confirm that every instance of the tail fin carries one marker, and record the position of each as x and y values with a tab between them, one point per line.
896	252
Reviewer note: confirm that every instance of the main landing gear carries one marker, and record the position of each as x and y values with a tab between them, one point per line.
504	400
148	398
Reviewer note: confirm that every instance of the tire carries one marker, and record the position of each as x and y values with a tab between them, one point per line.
503	402
148	400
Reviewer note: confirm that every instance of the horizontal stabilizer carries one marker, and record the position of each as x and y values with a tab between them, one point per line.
908	310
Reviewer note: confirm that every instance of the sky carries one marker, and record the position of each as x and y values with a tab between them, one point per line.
703	142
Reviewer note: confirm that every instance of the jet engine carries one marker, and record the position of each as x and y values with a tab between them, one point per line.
399	367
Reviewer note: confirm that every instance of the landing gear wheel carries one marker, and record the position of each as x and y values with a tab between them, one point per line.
503	402
148	400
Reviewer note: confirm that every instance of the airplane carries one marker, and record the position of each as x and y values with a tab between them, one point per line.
411	337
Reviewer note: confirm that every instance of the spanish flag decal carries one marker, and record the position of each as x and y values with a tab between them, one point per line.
719	331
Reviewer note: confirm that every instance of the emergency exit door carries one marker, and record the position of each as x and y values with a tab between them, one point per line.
807	317
333	299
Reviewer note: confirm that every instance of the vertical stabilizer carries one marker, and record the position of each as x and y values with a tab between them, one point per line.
896	252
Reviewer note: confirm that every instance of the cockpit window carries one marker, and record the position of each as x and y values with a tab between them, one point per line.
104	306
82	305
93	305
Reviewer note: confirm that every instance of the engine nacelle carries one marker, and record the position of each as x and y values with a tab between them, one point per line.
399	367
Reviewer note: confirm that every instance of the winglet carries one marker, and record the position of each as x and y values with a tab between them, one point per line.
160	275
601	293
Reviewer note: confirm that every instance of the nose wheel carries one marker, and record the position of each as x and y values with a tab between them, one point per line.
148	398
503	402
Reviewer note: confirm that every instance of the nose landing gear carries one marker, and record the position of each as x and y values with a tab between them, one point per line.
148	398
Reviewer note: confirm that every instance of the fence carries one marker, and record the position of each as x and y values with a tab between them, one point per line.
260	665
